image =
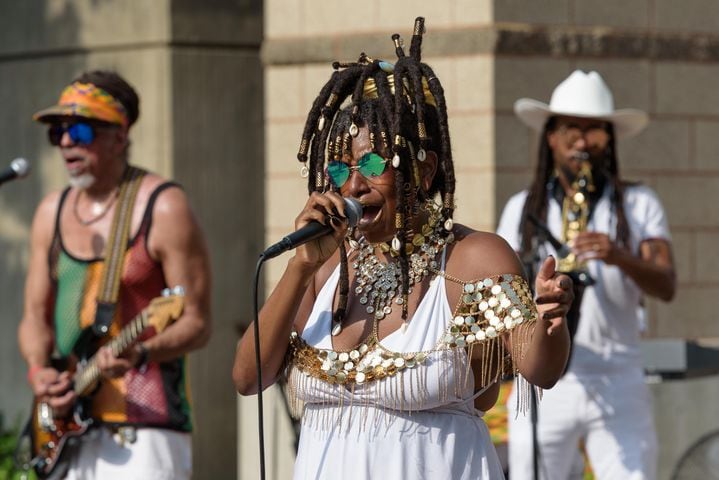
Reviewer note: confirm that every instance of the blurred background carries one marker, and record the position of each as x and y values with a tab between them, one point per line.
225	87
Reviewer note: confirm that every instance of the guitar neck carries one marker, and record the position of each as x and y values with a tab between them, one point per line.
85	379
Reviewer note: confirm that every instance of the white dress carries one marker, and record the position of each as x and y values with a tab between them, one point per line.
417	424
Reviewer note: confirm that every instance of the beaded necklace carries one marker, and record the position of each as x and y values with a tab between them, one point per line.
379	282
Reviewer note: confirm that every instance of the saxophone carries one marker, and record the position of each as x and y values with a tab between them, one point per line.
575	214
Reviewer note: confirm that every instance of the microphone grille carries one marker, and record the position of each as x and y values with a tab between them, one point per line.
21	167
353	210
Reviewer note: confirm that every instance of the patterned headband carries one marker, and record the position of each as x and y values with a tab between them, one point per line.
86	100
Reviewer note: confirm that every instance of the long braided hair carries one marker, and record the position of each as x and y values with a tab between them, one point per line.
404	121
537	198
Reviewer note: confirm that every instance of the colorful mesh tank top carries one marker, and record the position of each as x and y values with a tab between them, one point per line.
154	395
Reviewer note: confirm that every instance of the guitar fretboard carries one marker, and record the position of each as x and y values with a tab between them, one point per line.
86	379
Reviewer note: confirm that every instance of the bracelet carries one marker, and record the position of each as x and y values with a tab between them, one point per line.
143	357
32	371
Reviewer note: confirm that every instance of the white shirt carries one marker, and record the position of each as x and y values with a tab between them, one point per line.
607	339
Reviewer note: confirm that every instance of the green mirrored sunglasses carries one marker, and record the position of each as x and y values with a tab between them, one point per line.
370	165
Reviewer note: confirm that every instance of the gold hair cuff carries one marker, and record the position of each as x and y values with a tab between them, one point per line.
370	89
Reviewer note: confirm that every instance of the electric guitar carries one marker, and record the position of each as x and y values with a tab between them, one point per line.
49	435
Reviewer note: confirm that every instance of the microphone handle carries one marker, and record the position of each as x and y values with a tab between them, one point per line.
7	175
309	232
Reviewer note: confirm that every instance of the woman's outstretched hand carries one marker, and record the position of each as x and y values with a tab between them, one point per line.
554	295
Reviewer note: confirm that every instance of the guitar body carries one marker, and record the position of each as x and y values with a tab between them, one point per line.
49	436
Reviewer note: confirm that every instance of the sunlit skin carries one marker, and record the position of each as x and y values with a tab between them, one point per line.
653	266
313	263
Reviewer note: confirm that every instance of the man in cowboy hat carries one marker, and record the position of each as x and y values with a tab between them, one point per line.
618	246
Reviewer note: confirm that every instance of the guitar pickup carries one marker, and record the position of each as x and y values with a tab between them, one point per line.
46	419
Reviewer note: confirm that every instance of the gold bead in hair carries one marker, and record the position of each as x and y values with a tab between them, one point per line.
370	89
303	146
331	100
448	200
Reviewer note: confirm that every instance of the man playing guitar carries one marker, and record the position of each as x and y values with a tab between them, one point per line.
141	403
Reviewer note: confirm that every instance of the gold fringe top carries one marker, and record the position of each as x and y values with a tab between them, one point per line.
489	311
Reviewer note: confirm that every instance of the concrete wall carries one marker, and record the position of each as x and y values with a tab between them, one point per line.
196	67
656	55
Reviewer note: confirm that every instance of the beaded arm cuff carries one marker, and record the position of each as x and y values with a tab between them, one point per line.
490	307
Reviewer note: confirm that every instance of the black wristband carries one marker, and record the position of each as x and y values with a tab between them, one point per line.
143	357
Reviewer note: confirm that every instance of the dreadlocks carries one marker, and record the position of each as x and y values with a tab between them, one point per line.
406	115
536	202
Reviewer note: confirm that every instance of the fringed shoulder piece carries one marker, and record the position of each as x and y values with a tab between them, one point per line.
493	314
496	314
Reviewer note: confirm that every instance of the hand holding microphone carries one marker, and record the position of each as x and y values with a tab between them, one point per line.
318	212
19	168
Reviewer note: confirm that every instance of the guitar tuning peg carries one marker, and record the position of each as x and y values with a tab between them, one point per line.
178	290
166	292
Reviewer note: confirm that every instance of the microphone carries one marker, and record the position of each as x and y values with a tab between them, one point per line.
19	168
313	230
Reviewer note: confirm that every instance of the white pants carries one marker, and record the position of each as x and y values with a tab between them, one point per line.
157	454
612	414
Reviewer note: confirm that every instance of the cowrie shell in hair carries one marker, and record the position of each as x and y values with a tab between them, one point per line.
448	224
422	155
321	124
304	171
354	130
336	329
395	160
396	245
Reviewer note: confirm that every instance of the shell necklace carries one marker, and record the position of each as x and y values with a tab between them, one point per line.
378	282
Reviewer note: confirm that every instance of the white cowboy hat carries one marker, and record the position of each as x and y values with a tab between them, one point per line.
582	95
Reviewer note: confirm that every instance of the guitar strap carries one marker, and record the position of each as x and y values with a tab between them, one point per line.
115	250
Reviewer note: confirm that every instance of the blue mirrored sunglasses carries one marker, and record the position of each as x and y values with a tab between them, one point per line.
81	133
